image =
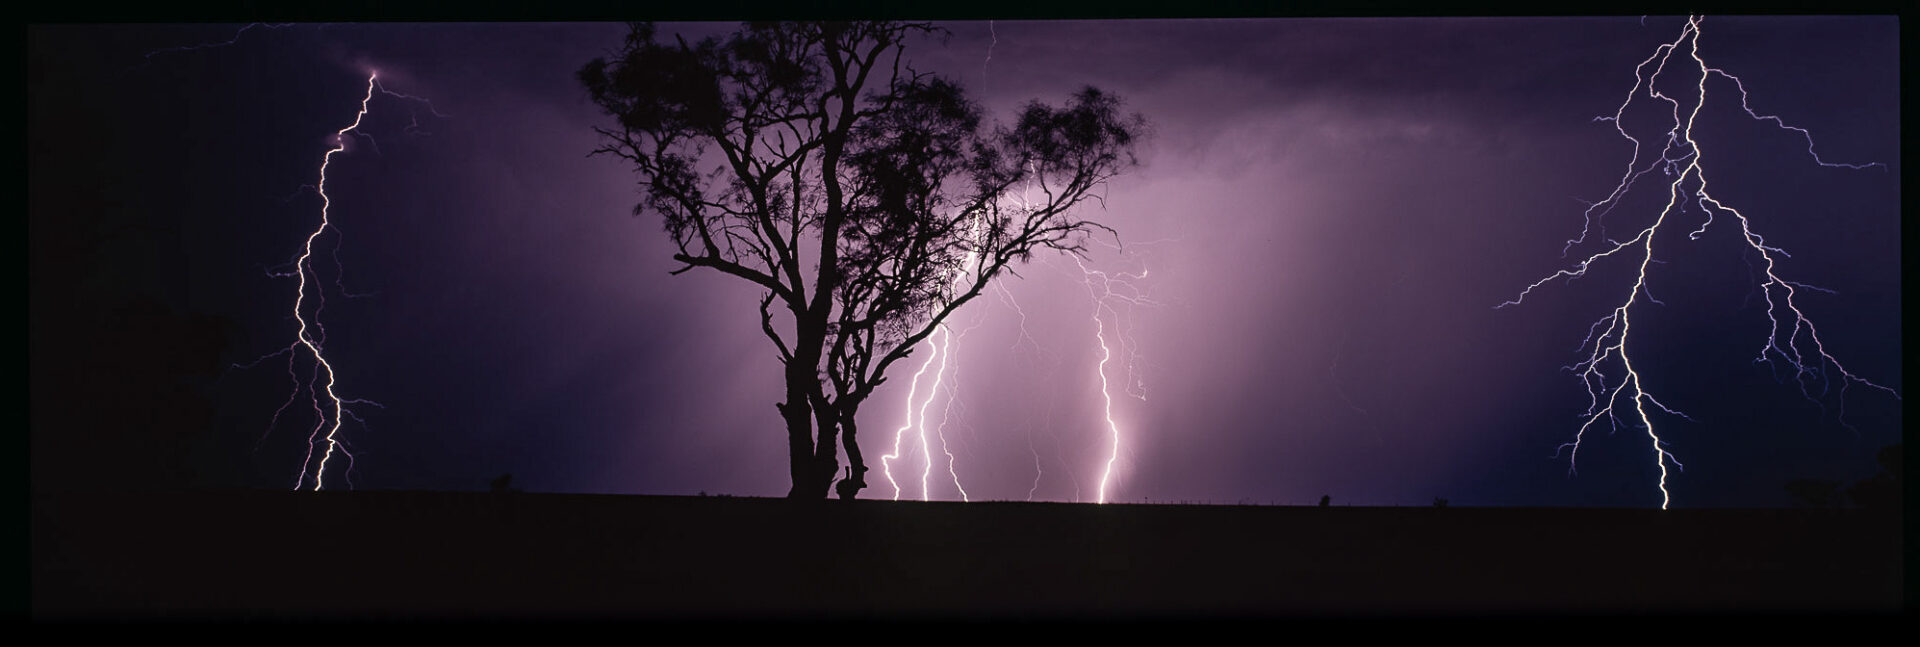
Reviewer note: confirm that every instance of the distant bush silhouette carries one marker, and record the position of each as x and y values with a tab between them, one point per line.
120	395
500	485
1814	493
1881	491
1439	503
1326	500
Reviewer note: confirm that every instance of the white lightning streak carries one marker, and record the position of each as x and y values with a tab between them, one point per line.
1681	158
306	254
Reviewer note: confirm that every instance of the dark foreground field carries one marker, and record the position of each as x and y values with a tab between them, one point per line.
407	554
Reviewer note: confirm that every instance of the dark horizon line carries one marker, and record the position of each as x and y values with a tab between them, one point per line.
1172	503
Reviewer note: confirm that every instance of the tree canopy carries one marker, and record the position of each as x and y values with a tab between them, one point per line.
869	200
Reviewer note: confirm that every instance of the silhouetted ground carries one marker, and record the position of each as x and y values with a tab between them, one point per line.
404	554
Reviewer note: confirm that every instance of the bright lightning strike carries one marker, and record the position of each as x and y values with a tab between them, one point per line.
901	433
1107	290
940	360
330	410
953	399
1106	393
311	335
942	353
303	266
1681	158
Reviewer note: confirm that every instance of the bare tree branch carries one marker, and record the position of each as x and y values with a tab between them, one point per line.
782	136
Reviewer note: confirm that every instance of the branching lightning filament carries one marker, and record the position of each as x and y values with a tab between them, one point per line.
330	409
1617	393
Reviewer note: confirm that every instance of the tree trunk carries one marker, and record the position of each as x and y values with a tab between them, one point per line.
798	412
857	468
826	463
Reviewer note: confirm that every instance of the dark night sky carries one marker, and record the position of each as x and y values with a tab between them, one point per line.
1328	211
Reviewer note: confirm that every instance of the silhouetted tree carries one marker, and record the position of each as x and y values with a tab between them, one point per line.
118	396
1881	491
121	365
788	138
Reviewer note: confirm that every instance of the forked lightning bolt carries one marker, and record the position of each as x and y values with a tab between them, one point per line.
310	339
901	433
302	267
1681	158
1105	290
332	410
942	354
953	399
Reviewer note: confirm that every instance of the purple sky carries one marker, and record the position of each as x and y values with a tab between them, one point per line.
1328	212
